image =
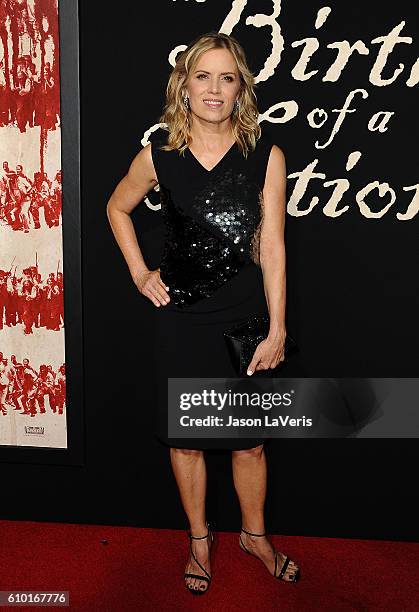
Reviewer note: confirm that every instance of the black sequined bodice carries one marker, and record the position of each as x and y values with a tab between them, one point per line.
212	219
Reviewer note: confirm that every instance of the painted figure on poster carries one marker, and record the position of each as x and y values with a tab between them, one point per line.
31	301
22	198
25	389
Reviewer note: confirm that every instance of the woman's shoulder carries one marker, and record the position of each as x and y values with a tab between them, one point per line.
165	161
158	137
261	154
266	140
264	145
159	156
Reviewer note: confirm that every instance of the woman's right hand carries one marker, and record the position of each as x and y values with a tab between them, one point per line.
150	284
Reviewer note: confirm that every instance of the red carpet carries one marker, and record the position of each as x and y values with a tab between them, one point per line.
141	570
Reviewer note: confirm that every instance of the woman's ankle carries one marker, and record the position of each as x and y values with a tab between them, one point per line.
257	530
199	529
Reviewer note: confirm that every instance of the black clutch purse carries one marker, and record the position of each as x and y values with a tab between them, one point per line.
243	339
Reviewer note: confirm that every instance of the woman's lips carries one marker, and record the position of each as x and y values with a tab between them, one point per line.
213	103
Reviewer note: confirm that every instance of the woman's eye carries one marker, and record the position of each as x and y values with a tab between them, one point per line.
229	78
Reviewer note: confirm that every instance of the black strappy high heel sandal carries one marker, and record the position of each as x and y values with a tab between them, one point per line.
207	577
284	565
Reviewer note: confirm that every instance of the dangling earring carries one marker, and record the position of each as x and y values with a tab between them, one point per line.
186	101
236	105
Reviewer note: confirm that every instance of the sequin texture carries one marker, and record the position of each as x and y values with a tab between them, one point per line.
194	262
213	240
230	205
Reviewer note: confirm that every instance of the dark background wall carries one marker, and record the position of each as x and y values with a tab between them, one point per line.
353	286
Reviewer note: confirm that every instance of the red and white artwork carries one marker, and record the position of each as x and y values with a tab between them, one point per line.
32	348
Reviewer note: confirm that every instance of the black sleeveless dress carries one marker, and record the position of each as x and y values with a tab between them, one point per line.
210	264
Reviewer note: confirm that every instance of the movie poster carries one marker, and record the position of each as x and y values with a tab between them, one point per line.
32	347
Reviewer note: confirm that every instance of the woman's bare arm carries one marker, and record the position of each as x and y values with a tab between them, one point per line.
270	351
130	191
272	243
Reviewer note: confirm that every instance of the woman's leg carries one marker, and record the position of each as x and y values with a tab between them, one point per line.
191	476
250	477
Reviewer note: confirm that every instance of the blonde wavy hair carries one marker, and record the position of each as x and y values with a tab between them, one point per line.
244	120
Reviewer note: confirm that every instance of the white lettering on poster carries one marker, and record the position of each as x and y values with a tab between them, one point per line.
285	111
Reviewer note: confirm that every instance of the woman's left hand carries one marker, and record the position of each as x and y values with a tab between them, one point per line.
268	353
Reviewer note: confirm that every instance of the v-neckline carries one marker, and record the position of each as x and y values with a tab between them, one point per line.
219	161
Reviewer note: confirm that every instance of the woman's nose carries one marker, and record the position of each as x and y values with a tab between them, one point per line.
214	85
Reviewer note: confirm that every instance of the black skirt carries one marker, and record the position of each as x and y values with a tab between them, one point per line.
189	343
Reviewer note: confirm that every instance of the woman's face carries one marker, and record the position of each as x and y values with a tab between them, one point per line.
213	86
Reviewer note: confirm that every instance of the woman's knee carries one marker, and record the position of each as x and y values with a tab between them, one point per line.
254	452
186	452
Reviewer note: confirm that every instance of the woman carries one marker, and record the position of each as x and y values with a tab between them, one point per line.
219	179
